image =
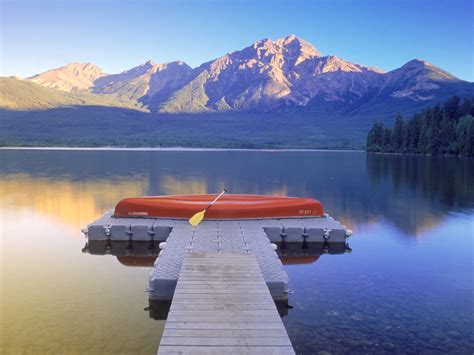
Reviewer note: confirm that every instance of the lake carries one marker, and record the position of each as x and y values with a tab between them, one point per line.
407	285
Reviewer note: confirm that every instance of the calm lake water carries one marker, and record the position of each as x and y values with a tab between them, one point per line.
407	285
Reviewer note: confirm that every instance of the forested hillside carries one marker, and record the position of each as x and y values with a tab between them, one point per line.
24	95
438	130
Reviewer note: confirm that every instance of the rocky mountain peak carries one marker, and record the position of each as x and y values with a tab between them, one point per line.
418	67
72	77
297	46
148	64
174	64
290	46
150	67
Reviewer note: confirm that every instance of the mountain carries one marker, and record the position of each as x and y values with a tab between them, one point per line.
288	74
17	94
270	75
273	93
147	83
417	80
73	77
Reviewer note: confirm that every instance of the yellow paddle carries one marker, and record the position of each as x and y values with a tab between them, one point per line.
198	217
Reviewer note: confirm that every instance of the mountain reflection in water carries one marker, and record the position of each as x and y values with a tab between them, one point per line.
411	192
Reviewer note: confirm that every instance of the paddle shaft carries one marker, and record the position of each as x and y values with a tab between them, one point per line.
215	200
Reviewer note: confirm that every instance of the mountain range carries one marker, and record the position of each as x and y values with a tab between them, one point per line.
287	76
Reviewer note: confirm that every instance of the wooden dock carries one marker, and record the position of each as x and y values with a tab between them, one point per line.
222	305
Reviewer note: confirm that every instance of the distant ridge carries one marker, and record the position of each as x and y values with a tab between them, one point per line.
288	74
73	77
27	95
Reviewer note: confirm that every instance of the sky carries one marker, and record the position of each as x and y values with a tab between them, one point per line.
37	35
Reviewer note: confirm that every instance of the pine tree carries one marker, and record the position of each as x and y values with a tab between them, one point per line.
387	140
465	135
434	131
452	108
424	131
398	134
374	138
413	133
468	107
447	135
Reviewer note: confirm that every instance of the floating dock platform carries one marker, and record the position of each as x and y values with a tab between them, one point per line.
246	236
222	279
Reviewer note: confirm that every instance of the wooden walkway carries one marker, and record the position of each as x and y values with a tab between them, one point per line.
222	305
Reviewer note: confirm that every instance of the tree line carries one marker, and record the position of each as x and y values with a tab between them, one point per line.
438	130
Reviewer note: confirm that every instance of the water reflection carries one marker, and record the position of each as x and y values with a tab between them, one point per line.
74	203
143	254
308	253
122	248
443	181
413	193
173	185
421	189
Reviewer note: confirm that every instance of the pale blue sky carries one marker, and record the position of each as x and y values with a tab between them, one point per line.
117	35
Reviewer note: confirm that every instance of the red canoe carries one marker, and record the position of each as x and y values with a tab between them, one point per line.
229	206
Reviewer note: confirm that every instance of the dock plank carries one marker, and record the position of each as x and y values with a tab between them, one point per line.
229	325
219	350
222	304
225	333
224	341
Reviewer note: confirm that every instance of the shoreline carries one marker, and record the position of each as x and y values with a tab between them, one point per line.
421	155
180	149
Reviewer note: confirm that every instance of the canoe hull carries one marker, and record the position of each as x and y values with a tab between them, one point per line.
230	206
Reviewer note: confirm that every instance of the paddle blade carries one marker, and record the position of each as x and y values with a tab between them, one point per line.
197	218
